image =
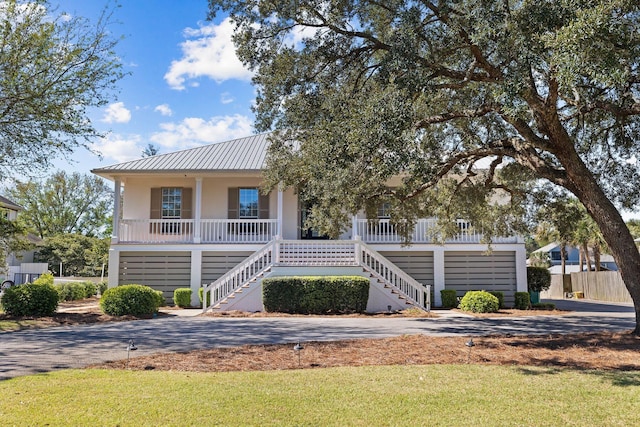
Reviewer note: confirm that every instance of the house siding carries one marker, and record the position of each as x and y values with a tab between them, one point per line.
473	271
418	265
163	271
216	264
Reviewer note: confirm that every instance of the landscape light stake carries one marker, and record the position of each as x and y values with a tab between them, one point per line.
297	348
469	344
131	347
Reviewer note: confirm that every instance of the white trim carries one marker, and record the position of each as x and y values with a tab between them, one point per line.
196	276
438	275
198	212
521	269
280	233
114	267
117	190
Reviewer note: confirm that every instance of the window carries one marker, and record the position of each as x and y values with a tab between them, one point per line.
384	210
171	203
248	207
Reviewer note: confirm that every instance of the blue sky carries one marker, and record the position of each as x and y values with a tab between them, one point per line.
186	87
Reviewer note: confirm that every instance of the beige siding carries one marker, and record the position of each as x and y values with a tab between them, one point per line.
215	264
163	271
418	265
472	271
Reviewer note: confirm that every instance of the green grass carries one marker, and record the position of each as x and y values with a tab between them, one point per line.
16	325
466	395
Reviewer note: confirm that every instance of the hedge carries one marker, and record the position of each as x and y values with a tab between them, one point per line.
449	298
479	302
500	296
136	300
316	295
182	297
30	299
523	300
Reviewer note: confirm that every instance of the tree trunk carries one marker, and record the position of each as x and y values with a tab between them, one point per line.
596	258
563	258
580	259
587	258
614	230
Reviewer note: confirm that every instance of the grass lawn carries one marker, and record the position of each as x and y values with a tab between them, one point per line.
447	395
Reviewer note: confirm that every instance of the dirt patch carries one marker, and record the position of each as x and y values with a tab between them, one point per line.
604	351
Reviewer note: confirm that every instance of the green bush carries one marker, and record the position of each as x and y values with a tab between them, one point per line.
523	300
538	279
500	296
449	298
200	292
70	291
90	289
102	286
543	306
182	297
44	279
30	299
316	295
479	302
136	300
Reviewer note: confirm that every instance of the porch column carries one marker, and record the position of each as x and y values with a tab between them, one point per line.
117	189
280	233
198	212
521	269
354	228
438	275
114	267
196	276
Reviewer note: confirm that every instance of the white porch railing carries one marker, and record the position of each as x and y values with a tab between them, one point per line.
383	231
316	253
211	230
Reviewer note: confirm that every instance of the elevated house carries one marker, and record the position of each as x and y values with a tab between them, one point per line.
196	217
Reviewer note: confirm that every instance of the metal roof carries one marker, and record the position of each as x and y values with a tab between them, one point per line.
243	154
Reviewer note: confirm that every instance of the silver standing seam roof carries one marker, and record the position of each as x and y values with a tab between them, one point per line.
242	154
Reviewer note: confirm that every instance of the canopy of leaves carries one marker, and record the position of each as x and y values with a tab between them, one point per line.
364	91
54	67
64	203
79	255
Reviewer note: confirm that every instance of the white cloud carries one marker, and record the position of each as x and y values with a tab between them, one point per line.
117	113
163	109
119	148
208	52
195	131
226	98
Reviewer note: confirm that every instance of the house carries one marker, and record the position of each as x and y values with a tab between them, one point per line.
19	267
195	217
572	263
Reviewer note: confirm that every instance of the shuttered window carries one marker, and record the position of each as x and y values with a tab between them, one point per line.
171	203
247	203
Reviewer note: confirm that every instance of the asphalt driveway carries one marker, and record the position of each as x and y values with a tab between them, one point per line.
33	351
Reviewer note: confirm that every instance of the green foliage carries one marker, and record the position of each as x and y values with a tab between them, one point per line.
102	286
538	279
543	306
479	302
44	279
500	296
522	300
64	203
316	295
55	69
80	255
136	300
182	297
30	299
200	292
449	298
72	291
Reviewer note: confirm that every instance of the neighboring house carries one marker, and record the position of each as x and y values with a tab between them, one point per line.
19	267
197	217
573	259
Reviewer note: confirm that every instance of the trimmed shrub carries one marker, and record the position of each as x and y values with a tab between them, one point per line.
500	296
316	295
523	300
538	279
449	298
70	291
182	297
136	300
30	299
200	292
44	279
543	306
102	286
479	302
90	289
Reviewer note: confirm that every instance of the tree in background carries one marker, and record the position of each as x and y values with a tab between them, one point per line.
150	150
79	255
54	67
64	203
362	91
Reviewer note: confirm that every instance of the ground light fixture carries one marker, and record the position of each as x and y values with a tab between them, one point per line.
298	348
470	344
130	347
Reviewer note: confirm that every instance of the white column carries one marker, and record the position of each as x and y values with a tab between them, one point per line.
114	267
354	228
280	213
197	229
438	275
196	276
117	189
521	269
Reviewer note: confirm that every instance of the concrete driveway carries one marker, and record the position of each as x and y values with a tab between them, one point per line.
32	351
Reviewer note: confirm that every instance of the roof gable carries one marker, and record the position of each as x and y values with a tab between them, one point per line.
243	154
8	204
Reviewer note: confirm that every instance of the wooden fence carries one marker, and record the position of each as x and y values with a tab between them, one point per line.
601	286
